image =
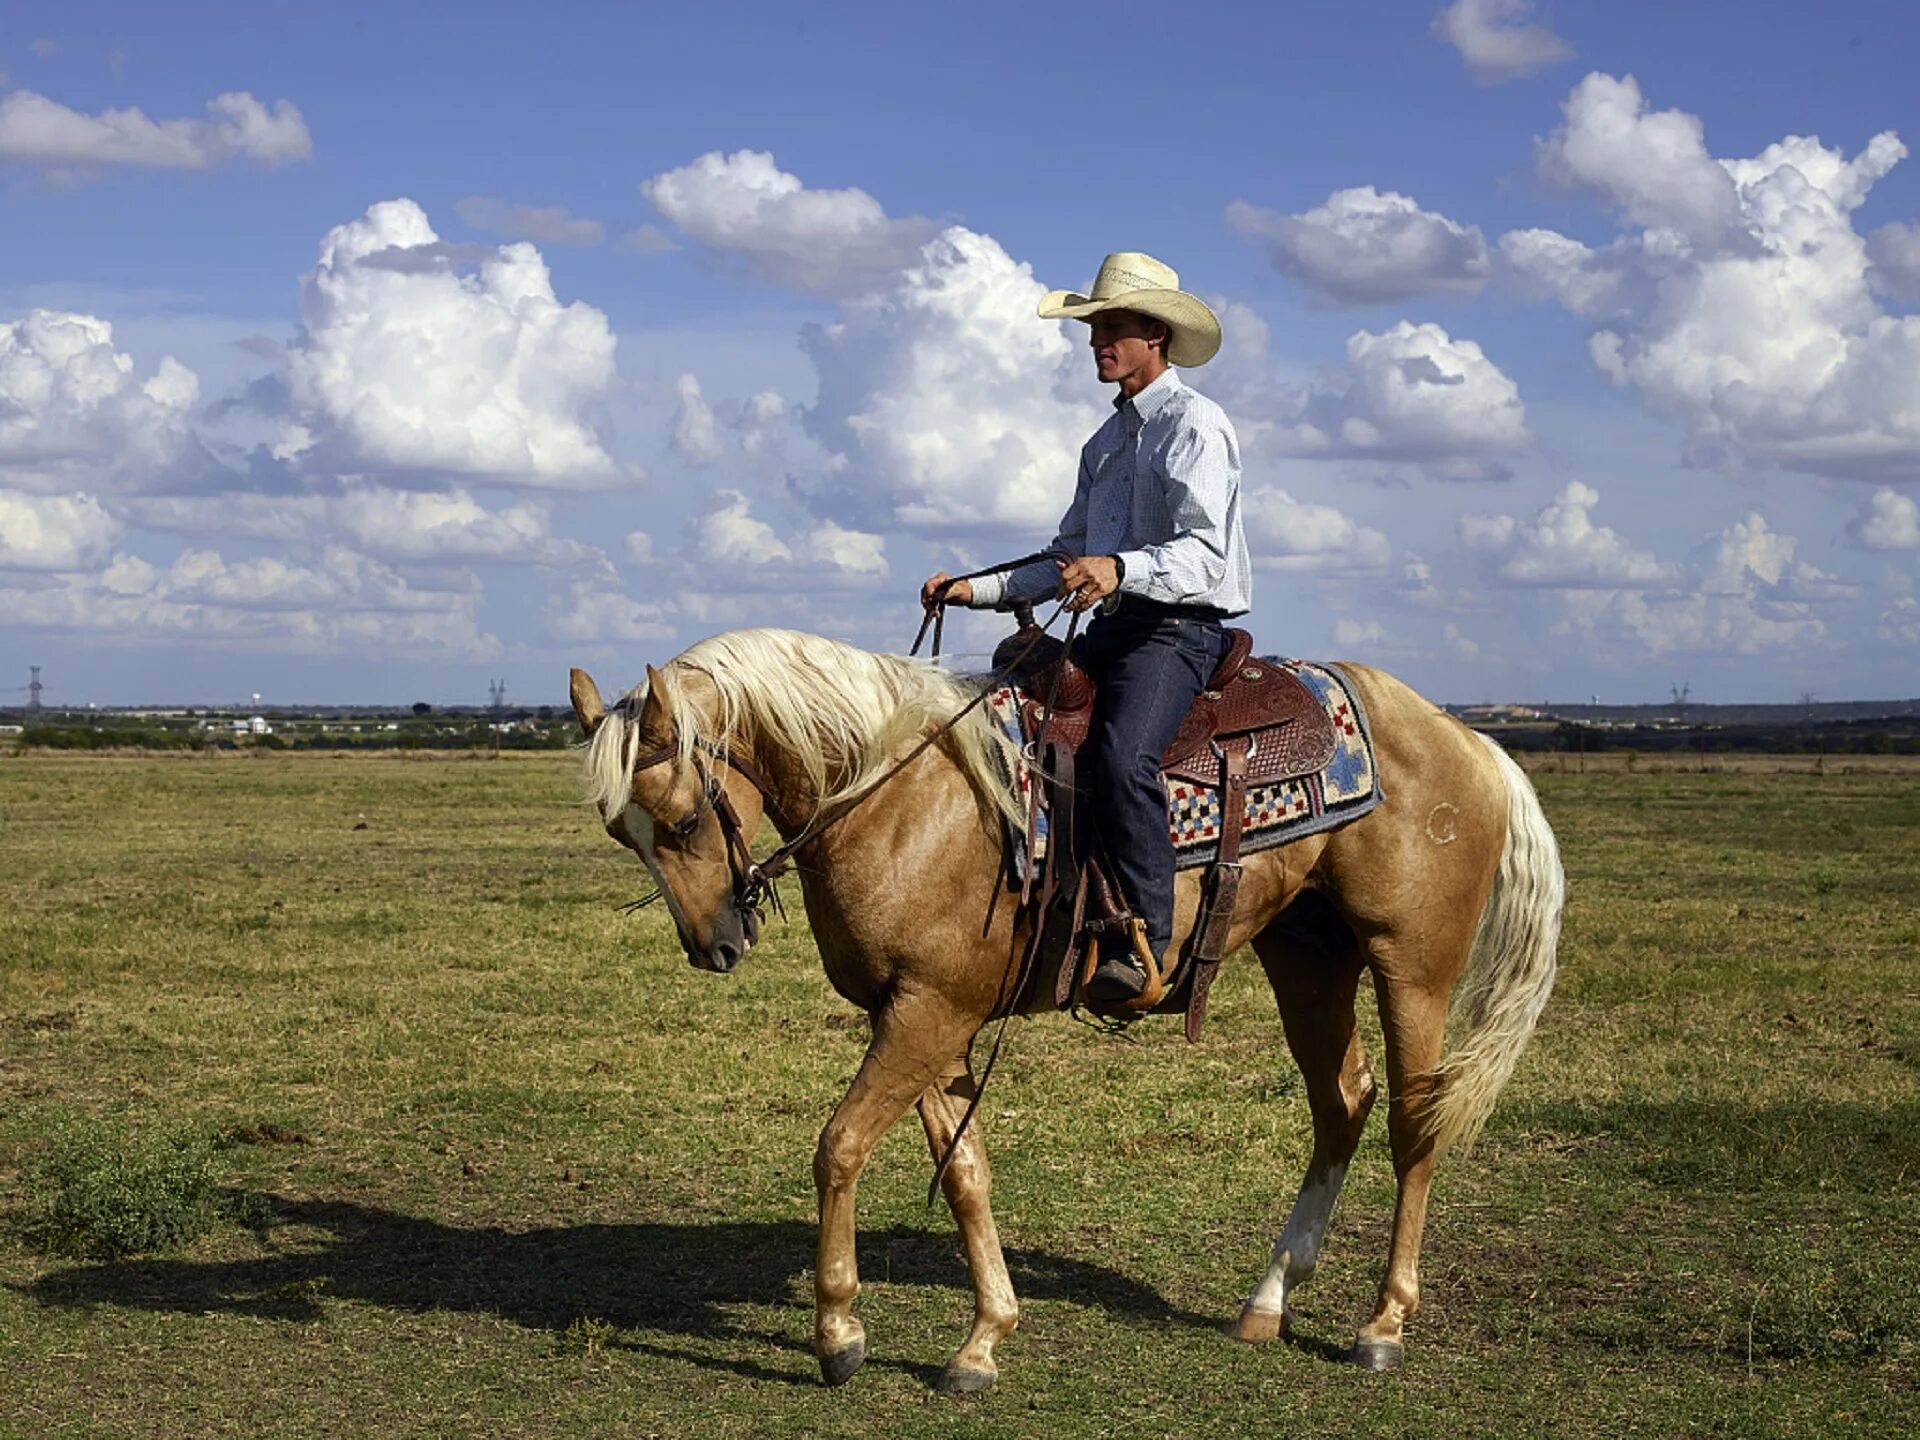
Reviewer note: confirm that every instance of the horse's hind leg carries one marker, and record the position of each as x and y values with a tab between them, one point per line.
1412	982
1314	969
911	1046
968	1183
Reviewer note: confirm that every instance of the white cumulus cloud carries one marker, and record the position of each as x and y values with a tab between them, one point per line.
941	401
1900	623
1287	534
408	362
74	412
730	539
37	131
1499	39
54	532
590	614
1894	250
441	526
849	552
345	604
1740	305
830	241
1411	394
762	420
731	535
1562	548
1652	166
1743	594
1365	247
1890	521
695	434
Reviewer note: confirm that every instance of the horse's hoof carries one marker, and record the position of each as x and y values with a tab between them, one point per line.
838	1368
1377	1354
964	1380
1255	1326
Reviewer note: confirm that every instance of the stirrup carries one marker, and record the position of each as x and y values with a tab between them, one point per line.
1135	931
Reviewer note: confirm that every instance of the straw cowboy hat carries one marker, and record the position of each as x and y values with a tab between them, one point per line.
1129	280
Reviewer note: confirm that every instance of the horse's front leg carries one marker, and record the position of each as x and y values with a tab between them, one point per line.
912	1043
968	1184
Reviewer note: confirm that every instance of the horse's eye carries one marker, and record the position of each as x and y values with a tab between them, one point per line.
683	829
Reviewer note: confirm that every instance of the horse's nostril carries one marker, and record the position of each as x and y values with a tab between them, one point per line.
726	955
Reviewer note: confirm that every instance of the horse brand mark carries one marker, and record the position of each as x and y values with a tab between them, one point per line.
1442	823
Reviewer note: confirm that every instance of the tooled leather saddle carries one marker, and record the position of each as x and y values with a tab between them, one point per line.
1286	726
1255	723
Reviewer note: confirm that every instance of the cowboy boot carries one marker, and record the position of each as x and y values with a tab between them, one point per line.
1127	966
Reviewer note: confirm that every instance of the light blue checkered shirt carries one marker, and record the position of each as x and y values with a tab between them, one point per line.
1160	488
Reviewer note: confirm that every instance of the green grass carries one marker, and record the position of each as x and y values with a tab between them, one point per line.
109	1192
532	1175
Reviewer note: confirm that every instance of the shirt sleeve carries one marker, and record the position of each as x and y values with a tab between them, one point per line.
1041	579
1203	492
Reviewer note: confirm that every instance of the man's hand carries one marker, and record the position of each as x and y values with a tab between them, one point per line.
959	592
1084	583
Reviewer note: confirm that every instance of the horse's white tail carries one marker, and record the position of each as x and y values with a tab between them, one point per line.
1509	971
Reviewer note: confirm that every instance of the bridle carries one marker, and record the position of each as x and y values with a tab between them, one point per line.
753	879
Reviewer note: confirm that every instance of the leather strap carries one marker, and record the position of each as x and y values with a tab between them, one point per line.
1063	851
1215	921
936	610
732	761
1036	790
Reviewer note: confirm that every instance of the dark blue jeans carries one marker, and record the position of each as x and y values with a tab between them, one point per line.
1149	668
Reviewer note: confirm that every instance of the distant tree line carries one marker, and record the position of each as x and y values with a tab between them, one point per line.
1843	738
133	737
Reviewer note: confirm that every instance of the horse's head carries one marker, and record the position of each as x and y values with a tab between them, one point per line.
670	807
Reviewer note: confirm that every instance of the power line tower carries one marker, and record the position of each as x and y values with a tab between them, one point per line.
1680	694
33	690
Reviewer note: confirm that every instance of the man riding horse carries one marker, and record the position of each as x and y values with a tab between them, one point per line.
1153	537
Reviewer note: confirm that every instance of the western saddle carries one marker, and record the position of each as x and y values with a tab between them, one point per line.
1256	723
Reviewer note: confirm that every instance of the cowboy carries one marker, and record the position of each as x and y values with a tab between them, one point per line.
1153	537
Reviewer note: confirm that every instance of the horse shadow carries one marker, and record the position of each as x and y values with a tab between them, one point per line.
665	1288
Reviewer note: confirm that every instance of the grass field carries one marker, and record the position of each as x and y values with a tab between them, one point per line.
529	1174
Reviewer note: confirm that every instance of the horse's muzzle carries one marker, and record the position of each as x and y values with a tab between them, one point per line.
727	949
722	958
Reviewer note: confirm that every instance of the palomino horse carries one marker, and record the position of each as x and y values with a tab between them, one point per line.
1449	893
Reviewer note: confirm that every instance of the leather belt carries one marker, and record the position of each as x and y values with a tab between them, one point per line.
1140	606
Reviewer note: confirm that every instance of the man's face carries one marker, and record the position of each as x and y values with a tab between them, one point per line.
1120	344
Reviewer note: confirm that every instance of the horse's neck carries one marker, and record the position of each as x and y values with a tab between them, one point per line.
791	801
788	787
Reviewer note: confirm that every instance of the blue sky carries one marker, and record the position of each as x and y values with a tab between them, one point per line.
1559	368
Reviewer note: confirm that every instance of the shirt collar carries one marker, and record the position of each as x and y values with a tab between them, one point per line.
1148	402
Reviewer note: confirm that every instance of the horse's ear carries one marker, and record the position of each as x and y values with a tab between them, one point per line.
587	704
657	687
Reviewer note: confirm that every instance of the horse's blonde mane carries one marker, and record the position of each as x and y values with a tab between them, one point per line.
841	715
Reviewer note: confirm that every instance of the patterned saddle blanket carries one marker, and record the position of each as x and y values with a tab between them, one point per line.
1342	790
